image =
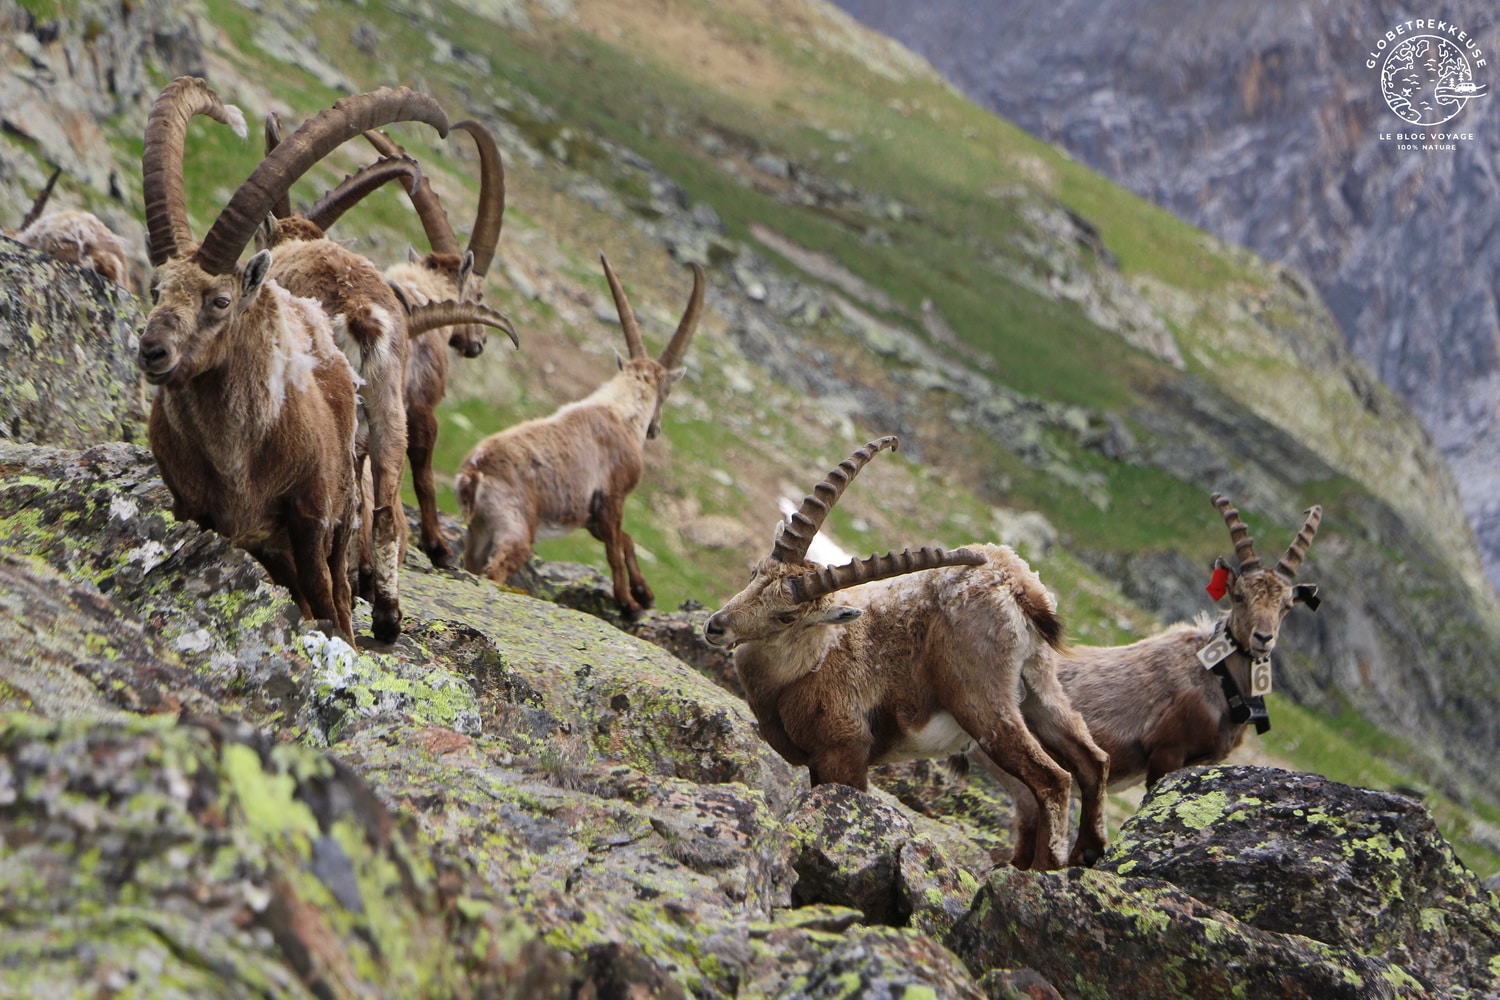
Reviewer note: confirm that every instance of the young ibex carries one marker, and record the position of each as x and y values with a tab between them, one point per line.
957	650
253	421
368	320
1185	695
575	468
74	236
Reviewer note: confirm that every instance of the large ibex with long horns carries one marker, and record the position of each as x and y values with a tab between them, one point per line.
575	468
447	274
928	652
1185	695
367	320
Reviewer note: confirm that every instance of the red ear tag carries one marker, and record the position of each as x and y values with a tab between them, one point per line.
1218	585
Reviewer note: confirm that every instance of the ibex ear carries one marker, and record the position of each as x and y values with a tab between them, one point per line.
675	375
256	269
412	257
619	360
1307	593
838	614
465	270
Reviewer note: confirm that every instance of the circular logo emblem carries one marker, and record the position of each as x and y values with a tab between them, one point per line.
1427	80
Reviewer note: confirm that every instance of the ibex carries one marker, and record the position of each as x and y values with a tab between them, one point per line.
1185	695
575	468
367	319
253	420
74	236
442	276
930	651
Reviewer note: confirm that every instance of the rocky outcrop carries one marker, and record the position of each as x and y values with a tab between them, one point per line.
1251	882
67	352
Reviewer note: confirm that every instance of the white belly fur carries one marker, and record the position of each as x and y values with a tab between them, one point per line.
940	737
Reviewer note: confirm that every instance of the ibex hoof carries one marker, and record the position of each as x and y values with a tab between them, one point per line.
385	624
440	554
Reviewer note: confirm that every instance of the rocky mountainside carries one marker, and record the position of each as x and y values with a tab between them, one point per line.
1264	125
201	796
545	804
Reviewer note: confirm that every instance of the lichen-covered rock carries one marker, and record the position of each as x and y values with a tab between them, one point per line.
824	951
1096	936
850	848
67	340
197	860
69	652
594	852
1299	854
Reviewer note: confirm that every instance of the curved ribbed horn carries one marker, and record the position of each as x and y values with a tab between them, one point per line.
628	322
317	137
1291	560
168	234
440	237
421	319
827	580
1239	533
41	199
352	189
797	531
677	346
283	205
490	215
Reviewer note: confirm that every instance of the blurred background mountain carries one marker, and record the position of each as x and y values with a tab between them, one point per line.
1263	124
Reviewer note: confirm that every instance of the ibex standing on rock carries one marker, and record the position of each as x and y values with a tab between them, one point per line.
368	321
575	468
930	652
1185	695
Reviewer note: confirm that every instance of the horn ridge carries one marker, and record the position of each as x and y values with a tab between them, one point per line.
829	579
41	199
353	188
1239	534
628	321
817	504
489	216
432	315
167	229
317	137
429	208
1291	560
677	346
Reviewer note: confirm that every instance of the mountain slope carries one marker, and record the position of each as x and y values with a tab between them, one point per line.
1266	127
885	257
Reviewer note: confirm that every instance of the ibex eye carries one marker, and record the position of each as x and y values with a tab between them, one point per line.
221	302
787	619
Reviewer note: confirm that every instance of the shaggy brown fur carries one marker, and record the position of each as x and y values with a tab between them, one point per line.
919	664
253	425
1151	705
575	468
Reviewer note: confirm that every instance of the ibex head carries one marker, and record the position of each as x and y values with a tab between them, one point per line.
199	283
1259	599
786	592
664	371
185	334
465	268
